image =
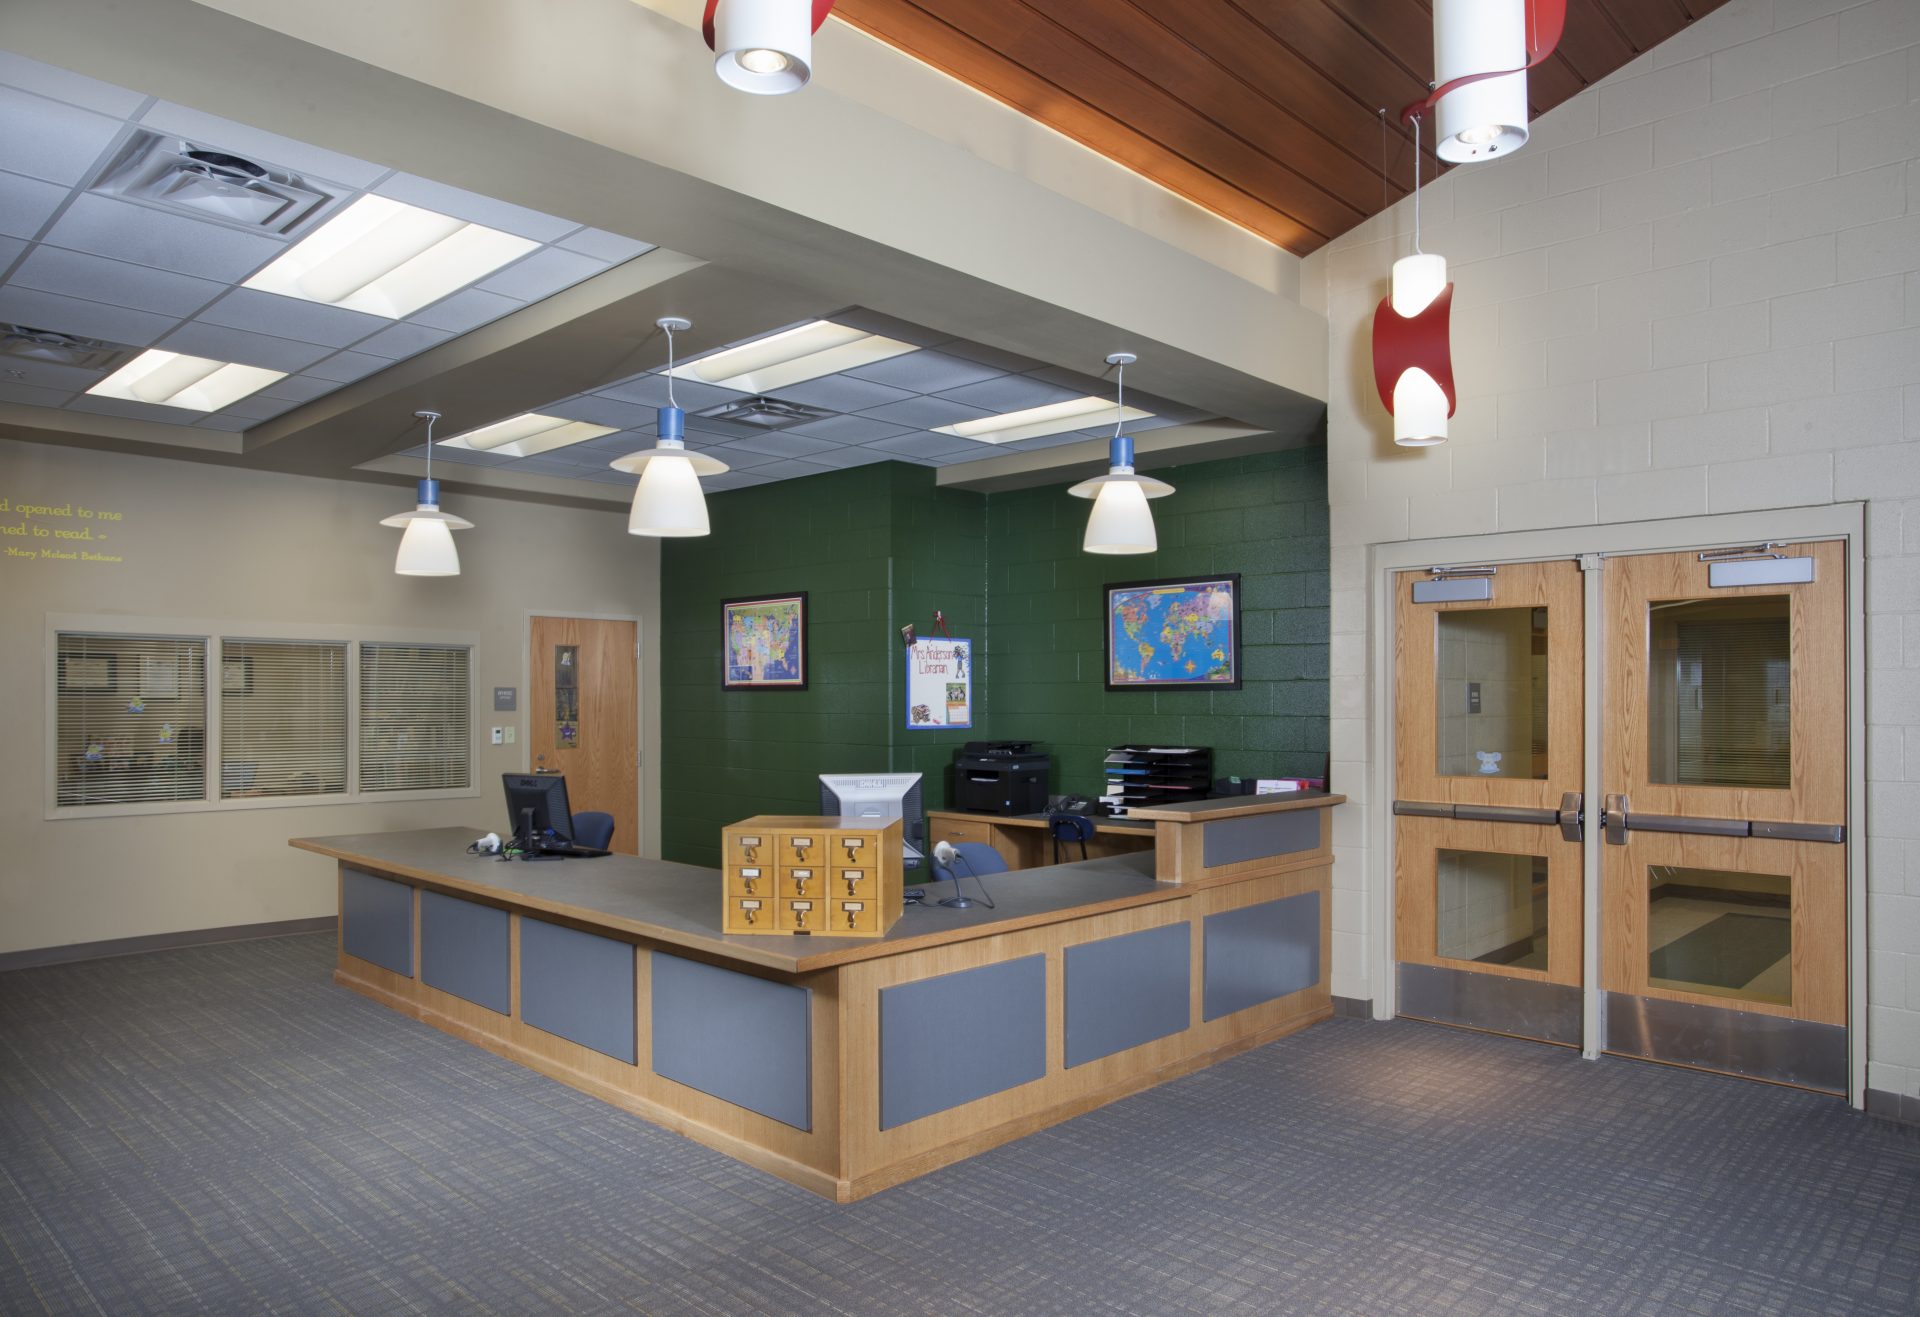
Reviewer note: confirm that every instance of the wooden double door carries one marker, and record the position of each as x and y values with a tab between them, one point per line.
1716	849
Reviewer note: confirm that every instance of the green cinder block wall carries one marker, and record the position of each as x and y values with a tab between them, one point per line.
880	546
1264	517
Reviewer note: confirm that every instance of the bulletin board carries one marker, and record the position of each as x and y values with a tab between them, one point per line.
939	685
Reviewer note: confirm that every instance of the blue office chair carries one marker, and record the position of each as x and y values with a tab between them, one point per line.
593	829
970	857
1069	828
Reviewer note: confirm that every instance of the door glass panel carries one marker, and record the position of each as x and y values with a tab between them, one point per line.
1491	693
1718	692
1492	908
1721	933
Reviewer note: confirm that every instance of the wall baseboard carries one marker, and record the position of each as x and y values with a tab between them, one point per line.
133	946
1352	1008
1893	1106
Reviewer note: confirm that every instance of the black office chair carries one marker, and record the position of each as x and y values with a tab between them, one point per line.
593	829
1069	828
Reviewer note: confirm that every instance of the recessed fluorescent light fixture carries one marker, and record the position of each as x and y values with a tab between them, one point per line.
804	353
388	259
1054	418
527	435
195	384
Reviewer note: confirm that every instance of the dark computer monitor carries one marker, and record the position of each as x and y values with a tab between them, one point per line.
538	801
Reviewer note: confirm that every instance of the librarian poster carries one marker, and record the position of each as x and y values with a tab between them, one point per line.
939	685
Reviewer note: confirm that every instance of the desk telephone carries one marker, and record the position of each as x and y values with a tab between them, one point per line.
1074	805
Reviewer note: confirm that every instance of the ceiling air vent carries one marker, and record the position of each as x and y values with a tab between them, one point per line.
764	413
60	349
208	183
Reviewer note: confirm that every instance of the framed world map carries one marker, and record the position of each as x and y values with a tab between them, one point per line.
764	643
1174	635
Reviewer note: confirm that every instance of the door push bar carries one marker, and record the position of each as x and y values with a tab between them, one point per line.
1567	818
1617	819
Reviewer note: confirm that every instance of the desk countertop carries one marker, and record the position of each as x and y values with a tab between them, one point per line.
680	904
1228	807
1101	822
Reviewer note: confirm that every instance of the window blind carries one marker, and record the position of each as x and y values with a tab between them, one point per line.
415	717
130	719
283	718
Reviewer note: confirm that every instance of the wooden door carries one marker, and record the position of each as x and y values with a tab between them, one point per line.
583	710
1725	770
1489	753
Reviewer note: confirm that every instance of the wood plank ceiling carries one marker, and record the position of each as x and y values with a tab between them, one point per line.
1263	111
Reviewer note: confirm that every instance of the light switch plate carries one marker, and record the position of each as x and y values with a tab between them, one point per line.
510	734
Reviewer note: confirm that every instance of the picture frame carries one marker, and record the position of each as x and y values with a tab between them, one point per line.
1179	610
763	642
236	675
86	672
159	678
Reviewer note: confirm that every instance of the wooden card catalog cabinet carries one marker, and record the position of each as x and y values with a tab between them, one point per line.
800	876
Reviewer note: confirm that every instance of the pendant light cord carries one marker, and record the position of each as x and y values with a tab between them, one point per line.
430	448
1416	185
670	401
1120	399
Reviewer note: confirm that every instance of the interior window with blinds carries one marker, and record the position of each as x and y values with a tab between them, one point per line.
415	717
1720	692
283	718
130	719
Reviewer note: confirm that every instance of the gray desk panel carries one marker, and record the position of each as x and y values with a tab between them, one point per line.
376	920
1260	952
742	1039
578	986
955	1038
1127	990
463	950
1259	836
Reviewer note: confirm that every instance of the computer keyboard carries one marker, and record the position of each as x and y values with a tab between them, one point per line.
569	851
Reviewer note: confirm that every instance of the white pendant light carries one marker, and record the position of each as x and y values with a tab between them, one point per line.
1411	347
1120	521
763	46
1486	118
426	549
668	502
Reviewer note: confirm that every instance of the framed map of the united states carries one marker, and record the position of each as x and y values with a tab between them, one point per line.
1174	635
764	643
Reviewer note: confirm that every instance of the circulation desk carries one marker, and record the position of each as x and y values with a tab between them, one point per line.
846	1065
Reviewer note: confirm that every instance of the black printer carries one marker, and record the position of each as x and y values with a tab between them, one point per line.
1000	777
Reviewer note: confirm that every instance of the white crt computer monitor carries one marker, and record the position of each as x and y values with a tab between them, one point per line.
879	796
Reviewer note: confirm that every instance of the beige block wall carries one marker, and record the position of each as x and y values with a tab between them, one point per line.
1697	290
227	546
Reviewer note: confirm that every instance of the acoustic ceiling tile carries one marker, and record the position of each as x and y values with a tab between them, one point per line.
842	458
72	315
651	391
1010	393
925	371
474	208
289	317
218	343
789	469
224	420
10	249
841	393
31	395
73	88
925	413
928	447
1000	359
542	274
97	279
345	367
848	429
402	340
299	388
733	480
467	309
26	204
47	140
601	410
317	163
604	246
782	444
125	231
138	411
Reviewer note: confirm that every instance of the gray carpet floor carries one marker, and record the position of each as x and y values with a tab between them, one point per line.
221	1129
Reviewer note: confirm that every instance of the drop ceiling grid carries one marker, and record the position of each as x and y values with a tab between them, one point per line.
879	412
95	266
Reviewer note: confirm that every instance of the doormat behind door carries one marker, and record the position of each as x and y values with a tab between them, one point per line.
1730	952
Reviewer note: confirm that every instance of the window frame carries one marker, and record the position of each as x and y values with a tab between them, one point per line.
213	634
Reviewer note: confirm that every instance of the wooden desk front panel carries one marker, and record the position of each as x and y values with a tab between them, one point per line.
1026	843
